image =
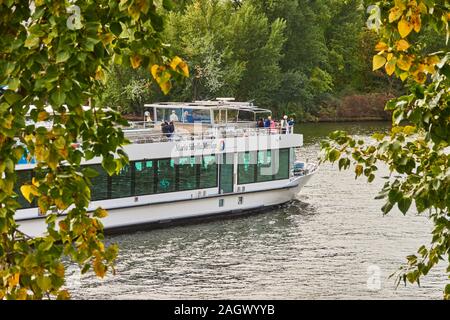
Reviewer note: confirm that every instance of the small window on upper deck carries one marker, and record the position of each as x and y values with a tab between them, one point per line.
201	115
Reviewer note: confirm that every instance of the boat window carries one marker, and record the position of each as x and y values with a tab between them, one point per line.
23	177
187	116
232	115
282	169
208	172
144	177
265	168
247	167
187	173
121	183
162	114
246	115
166	175
99	188
201	115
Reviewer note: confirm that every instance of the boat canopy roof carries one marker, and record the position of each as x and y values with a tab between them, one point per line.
218	104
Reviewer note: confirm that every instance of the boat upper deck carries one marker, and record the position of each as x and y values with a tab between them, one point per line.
144	132
212	119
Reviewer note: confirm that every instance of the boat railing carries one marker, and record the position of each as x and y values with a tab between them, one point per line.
141	134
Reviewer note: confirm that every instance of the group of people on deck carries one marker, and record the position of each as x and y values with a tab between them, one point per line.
285	125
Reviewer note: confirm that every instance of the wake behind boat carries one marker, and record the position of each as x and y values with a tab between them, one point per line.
214	160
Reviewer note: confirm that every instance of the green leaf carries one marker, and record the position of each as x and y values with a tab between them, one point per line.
333	155
115	28
58	97
90	172
62	56
404	204
387	207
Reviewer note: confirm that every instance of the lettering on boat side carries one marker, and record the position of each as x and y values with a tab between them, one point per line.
226	309
197	145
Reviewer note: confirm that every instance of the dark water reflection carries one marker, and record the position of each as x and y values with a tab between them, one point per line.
323	245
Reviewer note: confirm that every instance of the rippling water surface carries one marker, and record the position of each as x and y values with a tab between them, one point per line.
327	244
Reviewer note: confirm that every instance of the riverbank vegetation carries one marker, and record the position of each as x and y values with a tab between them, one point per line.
417	150
310	59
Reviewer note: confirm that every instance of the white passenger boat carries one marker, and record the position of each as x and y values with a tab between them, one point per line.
217	162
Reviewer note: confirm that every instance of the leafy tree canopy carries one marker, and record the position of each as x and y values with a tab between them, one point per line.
59	53
417	151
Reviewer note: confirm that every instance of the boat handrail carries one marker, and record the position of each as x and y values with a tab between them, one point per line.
212	132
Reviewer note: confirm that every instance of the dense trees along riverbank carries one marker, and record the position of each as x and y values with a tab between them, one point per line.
294	56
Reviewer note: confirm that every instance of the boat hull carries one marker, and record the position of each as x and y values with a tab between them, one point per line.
182	211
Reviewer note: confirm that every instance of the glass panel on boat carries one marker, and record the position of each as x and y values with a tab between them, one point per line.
121	183
166	175
23	177
246	115
265	169
162	114
208	172
247	167
201	115
283	165
232	115
226	173
187	176
144	177
99	188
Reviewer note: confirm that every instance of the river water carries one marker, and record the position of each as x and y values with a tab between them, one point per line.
332	242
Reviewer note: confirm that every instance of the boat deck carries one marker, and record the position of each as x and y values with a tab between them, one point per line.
145	132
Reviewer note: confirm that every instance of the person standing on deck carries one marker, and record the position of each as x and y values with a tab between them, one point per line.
260	123
291	125
284	125
272	125
173	117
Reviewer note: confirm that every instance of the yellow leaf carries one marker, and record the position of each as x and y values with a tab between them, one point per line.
100	213
60	204
403	76
394	14
155	70
135	61
42	116
390	67
14	280
99	268
63	295
423	8
142	5
28	190
404	27
100	75
416	22
107	38
63	226
402	45
433	60
165	87
22	294
404	63
175	62
134	12
59	270
378	62
381	46
409	130
400	4
420	77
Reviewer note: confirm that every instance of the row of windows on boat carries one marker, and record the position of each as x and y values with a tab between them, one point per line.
148	177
